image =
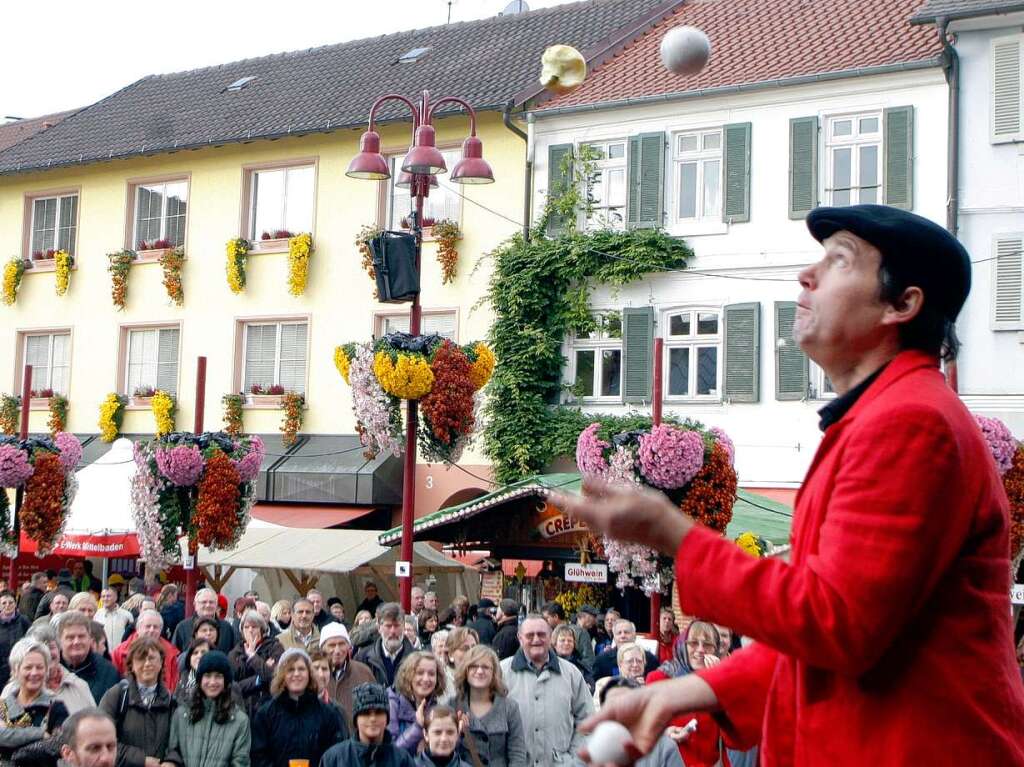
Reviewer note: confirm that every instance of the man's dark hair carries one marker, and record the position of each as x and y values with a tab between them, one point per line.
616	681
69	730
931	330
553	608
7	593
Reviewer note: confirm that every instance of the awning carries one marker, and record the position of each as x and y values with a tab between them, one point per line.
307	516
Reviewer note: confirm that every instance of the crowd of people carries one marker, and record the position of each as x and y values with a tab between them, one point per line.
294	684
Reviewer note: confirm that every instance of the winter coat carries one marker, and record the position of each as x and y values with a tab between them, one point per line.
584	646
886	638
173	614
115	623
285	729
226	638
97	672
290	639
705	746
29	602
663	754
322	618
10	632
574	659
498	734
171	669
353	753
340	686
206	743
364	635
36	719
72	692
552	702
484	628
383	669
506	640
141	730
456	760
253	675
405	730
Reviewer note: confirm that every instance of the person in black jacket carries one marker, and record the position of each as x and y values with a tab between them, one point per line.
386	654
483	623
371	744
206	607
295	723
13	626
75	640
506	639
30	597
253	660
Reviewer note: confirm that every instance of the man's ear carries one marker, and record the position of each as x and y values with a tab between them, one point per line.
905	308
66	753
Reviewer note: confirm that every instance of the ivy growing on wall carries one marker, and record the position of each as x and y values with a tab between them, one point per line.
540	291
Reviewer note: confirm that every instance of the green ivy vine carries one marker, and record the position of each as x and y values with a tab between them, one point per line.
539	291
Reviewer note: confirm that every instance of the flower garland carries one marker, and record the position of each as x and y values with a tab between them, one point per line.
378	414
367	233
172	260
448	409
10	408
237	249
163	406
13	272
300	247
446	233
233	413
58	405
111	417
119	267
292	404
62	270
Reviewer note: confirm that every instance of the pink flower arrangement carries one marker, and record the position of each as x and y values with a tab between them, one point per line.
249	466
726	442
1000	441
590	452
374	409
145	494
182	465
15	468
70	450
670	457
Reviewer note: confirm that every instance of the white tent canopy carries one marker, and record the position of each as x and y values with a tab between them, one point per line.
103	501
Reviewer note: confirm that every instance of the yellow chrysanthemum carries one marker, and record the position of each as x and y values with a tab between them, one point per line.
109	412
63	270
750	543
163	408
342	362
481	371
410	377
237	250
299	249
13	270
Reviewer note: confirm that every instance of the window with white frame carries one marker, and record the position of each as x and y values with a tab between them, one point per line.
275	354
160	212
606	187
442	323
597	359
54	224
818	383
281	200
443	203
854	150
693	352
698	175
49	354
152	361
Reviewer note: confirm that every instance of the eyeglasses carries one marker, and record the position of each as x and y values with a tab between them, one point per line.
694	644
149	660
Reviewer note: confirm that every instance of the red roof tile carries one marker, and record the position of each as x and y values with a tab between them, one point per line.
756	41
19	130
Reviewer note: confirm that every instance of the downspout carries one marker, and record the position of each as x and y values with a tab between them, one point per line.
951	66
506	118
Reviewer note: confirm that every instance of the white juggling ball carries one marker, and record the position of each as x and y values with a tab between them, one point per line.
685	50
607	744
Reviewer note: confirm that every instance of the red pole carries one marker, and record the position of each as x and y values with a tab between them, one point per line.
191	575
659	344
26	392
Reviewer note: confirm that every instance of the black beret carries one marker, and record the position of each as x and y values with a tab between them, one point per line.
486	604
914	248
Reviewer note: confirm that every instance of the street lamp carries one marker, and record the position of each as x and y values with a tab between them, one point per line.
419	172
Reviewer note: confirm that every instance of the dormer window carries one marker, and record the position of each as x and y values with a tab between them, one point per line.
412	56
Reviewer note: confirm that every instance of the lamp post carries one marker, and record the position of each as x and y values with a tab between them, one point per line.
419	171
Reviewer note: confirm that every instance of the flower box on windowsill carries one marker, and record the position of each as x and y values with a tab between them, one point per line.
138	402
264	401
39	403
150	256
41	265
275	245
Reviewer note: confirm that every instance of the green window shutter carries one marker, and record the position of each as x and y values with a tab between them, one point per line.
803	166
743	352
736	207
646	194
790	361
558	184
898	157
637	354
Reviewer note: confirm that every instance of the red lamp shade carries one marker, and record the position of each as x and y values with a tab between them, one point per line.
405	181
472	168
369	163
424	158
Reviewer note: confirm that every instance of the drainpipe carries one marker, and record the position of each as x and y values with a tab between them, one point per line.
506	118
952	70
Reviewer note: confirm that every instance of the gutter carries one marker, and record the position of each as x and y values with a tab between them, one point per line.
764	85
506	118
951	65
1005	10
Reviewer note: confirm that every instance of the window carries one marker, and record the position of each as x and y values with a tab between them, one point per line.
160	211
54	224
442	323
693	346
443	202
606	188
281	200
49	354
275	353
819	385
854	150
152	360
698	173
597	359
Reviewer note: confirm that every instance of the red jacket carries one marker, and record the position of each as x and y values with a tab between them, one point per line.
170	679
886	639
704	747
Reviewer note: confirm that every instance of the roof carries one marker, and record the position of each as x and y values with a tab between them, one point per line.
17	131
486	62
933	10
756	43
767	518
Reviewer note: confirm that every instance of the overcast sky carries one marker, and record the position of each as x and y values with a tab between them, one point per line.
63	54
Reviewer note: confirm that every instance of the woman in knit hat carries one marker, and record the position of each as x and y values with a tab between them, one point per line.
211	731
371	745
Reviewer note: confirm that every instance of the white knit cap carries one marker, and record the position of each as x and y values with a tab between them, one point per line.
333	630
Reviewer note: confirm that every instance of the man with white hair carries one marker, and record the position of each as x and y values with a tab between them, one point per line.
206	607
346	672
607	664
150	624
114	618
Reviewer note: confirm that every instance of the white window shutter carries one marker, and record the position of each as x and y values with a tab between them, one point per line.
37	354
1007	76
442	324
260	349
293	357
61	363
167	361
1008	288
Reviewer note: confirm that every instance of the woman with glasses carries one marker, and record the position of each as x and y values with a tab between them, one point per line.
495	728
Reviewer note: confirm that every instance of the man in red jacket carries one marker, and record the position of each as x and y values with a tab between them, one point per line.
886	640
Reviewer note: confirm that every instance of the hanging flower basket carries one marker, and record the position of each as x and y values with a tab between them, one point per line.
1008	455
237	251
300	248
119	267
58	407
111	416
13	272
46	469
199	485
691	464
63	263
164	407
10	409
172	260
